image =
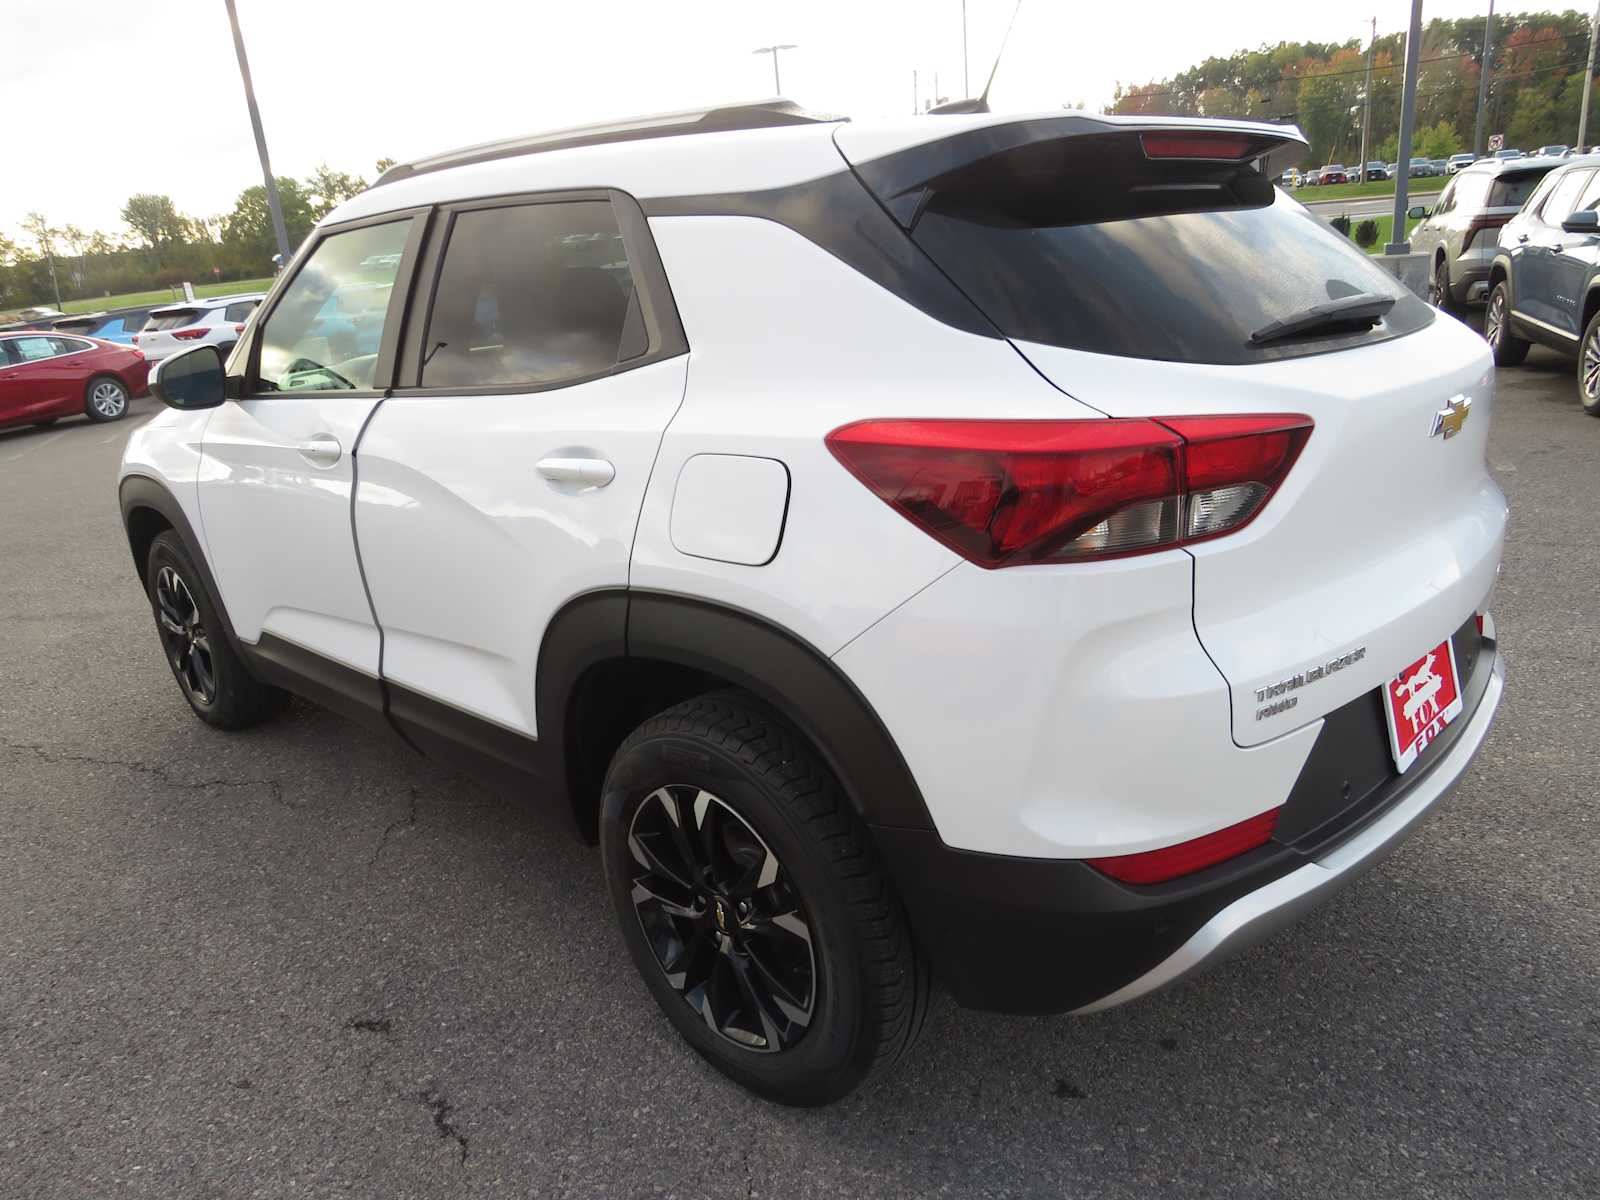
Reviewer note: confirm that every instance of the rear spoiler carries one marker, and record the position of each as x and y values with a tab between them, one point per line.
901	179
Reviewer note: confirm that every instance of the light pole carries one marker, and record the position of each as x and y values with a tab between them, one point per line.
261	138
1588	84
777	86
1400	244
966	84
1483	80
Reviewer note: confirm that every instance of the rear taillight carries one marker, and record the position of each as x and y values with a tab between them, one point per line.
136	339
239	328
1008	493
189	335
1169	862
1480	223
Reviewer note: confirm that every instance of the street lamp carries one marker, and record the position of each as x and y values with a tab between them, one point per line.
777	87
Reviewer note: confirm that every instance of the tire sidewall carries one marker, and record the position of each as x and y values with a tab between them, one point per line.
1592	408
831	1056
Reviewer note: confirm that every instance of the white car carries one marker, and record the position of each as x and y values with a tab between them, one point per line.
1028	553
215	321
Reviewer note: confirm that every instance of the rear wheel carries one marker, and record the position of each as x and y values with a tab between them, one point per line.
105	399
753	904
211	676
1509	349
1589	368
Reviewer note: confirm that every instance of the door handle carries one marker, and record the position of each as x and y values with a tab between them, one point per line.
594	472
322	450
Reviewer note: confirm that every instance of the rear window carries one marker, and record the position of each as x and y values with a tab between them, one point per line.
1082	242
171	320
1510	191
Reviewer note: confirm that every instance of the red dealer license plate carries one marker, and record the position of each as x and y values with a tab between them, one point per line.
1421	701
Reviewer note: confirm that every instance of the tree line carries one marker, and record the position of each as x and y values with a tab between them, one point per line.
163	247
1536	81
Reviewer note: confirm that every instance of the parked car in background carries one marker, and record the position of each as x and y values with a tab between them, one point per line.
1550	151
1290	178
1423	168
896	592
46	376
1333	173
33	318
1545	277
217	321
118	325
1505	154
1376	171
1456	161
1459	230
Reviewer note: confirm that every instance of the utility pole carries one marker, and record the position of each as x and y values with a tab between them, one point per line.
777	85
1366	115
1408	116
261	138
1588	83
966	84
1483	78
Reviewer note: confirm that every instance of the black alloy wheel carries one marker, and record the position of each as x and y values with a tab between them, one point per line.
723	918
184	637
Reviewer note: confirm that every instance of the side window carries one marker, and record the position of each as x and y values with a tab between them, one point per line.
1591	193
1564	197
1447	201
239	311
532	294
1469	193
324	333
70	345
33	349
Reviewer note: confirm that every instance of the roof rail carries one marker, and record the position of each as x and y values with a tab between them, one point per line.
757	114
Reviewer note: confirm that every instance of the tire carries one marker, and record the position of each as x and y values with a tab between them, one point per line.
105	398
1509	349
718	780
210	674
1589	368
1439	294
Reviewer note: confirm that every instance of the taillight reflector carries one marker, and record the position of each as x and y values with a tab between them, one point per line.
1169	862
1479	224
189	335
239	328
1230	147
1007	493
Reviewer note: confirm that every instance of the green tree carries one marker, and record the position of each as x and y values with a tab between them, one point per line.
1437	141
247	230
383	164
154	220
327	188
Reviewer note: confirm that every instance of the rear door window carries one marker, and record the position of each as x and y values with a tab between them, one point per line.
240	310
1082	242
1510	191
1563	198
312	341
530	295
34	349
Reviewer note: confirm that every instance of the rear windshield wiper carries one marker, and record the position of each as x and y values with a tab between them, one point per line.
1334	316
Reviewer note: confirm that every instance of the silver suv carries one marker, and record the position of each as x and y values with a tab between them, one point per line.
1458	232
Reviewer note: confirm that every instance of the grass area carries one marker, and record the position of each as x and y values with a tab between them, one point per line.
1361	191
1385	228
163	295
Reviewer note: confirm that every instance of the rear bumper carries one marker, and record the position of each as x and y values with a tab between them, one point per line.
1031	935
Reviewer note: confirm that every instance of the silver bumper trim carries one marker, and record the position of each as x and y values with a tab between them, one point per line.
1268	909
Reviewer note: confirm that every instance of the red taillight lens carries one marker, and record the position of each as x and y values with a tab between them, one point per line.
1229	146
136	339
239	328
189	335
1006	493
1478	224
1169	862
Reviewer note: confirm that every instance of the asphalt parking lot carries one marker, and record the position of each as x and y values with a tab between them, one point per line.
303	962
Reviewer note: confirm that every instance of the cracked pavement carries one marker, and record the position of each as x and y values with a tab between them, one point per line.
301	961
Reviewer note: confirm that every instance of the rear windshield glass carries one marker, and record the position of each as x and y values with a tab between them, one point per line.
1509	191
1081	242
171	320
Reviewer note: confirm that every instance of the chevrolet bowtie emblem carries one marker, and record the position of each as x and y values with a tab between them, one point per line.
1449	419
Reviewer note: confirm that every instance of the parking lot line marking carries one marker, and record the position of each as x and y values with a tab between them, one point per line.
44	441
121	433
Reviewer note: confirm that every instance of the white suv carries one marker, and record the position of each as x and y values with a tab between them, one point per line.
216	321
1030	553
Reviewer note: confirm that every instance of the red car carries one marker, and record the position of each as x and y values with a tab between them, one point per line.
48	375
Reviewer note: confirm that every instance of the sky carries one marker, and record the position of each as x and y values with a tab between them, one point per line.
153	87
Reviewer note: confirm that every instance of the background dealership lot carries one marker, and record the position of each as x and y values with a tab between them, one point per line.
303	961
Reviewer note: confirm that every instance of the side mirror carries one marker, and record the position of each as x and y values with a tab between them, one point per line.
189	380
1416	212
1585	220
